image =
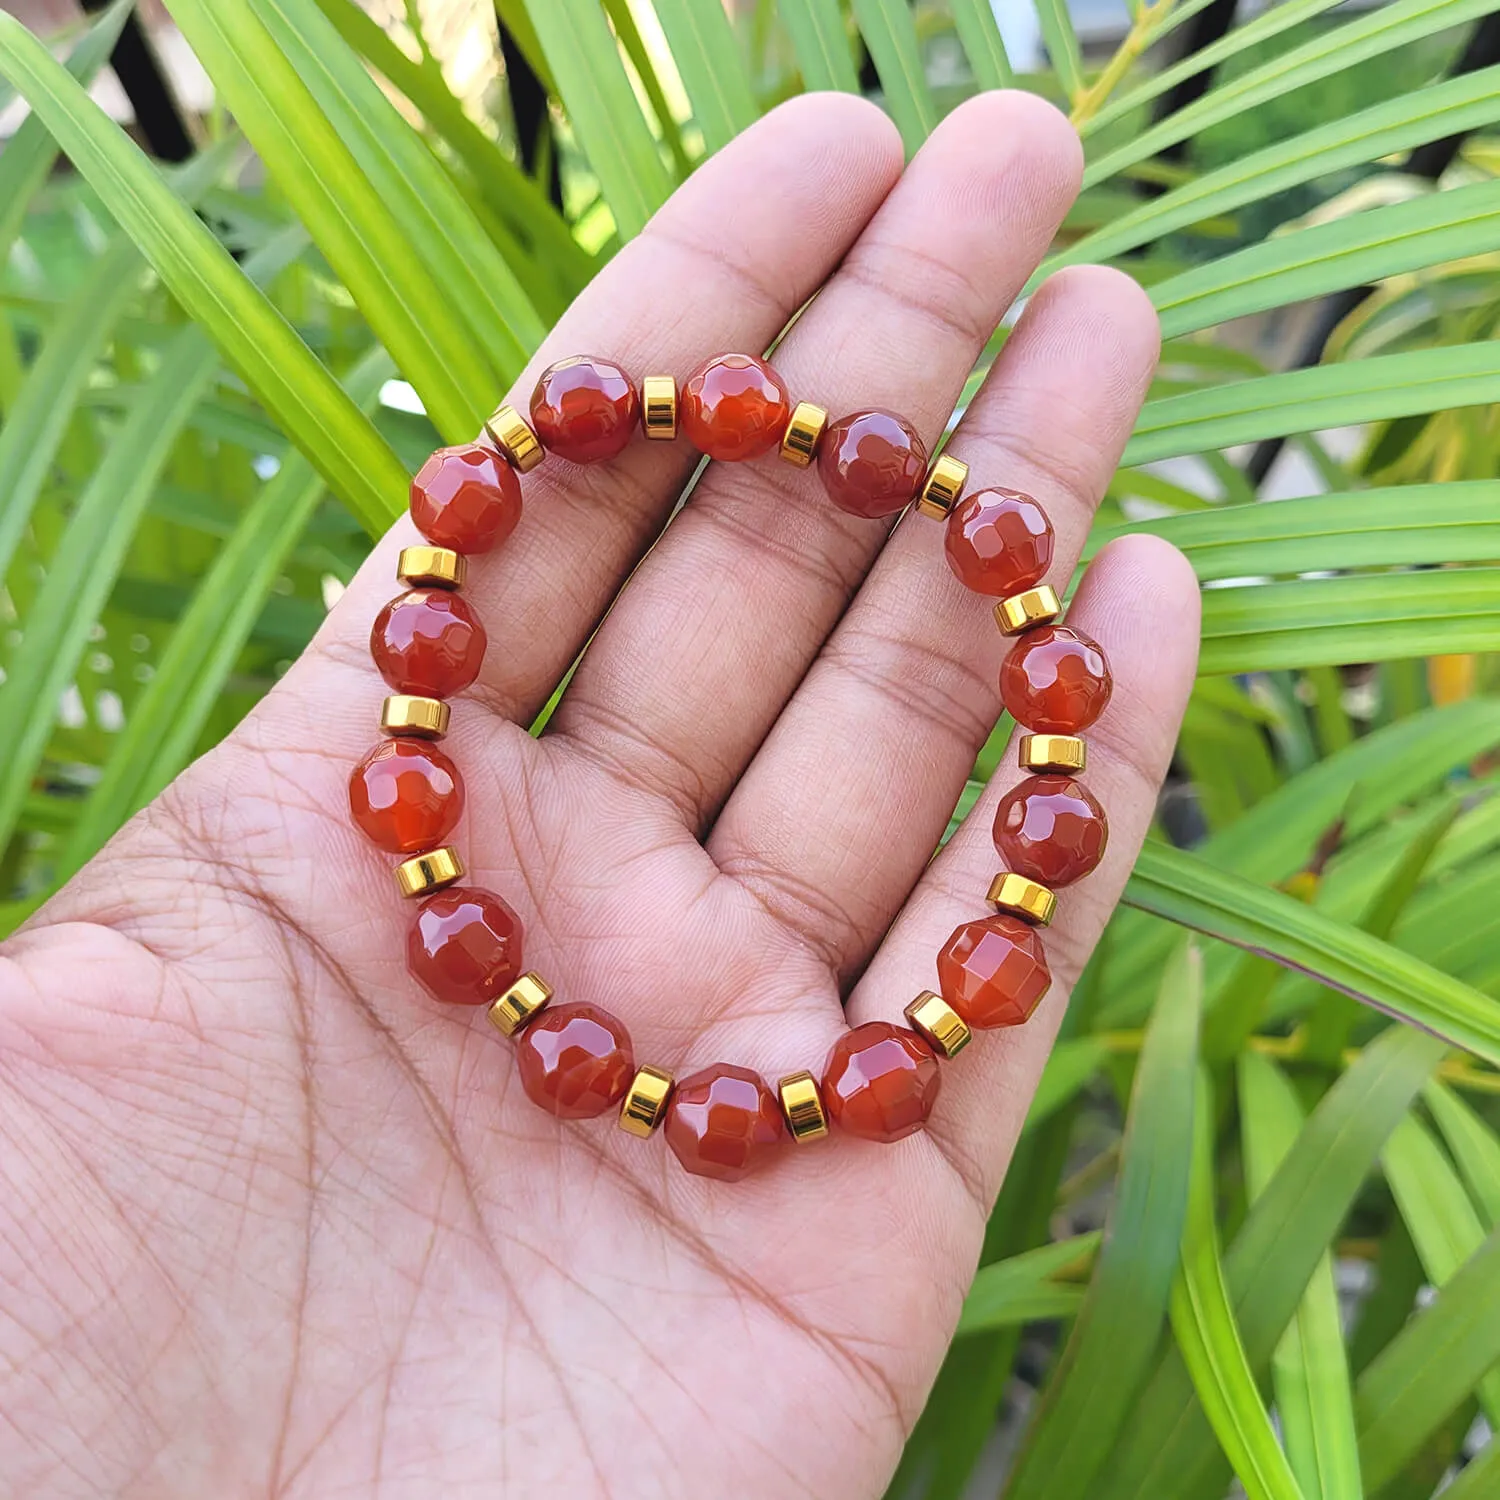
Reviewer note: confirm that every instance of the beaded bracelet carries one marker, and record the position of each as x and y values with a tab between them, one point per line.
575	1060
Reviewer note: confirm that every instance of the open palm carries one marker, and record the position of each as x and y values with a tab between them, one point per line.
273	1222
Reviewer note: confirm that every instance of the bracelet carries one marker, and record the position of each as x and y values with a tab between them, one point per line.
880	1080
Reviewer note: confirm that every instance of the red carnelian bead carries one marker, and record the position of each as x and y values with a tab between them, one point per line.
993	971
723	1122
465	946
467	498
575	1061
735	406
1055	681
584	410
999	542
406	796
428	641
880	1081
871	463
1051	828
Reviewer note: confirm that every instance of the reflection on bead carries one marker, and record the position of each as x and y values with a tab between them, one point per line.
735	406
871	462
993	971
520	1004
424	873
584	409
723	1122
575	1061
512	435
405	795
465	946
1052	829
939	1024
465	498
1038	606
422	718
1052	752
800	444
802	1107
659	407
880	1081
428	642
1056	681
1022	897
998	542
645	1103
945	483
431	567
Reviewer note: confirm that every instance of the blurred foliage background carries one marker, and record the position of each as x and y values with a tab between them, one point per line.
1250	1242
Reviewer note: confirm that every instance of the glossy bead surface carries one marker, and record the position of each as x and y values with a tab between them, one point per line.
734	406
405	796
428	642
465	946
466	498
575	1061
998	542
1055	681
723	1122
584	410
1051	828
880	1081
871	463
993	971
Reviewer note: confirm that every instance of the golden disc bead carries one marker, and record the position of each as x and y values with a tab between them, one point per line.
945	483
799	446
1022	897
802	1107
1053	752
937	1023
423	874
511	433
659	407
645	1103
522	1002
431	567
424	718
1038	606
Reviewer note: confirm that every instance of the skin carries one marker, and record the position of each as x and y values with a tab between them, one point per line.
272	1222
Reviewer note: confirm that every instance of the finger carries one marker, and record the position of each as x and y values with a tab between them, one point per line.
726	261
841	809
754	573
1139	599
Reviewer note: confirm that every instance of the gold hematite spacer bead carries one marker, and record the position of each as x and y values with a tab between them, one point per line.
1022	897
438	567
521	1003
799	445
802	1105
403	713
659	407
424	873
512	435
1020	612
1053	752
945	483
645	1103
938	1023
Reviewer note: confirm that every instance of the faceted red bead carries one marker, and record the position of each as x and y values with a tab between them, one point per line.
467	498
880	1081
406	796
575	1061
999	542
993	971
428	641
1051	828
734	406
722	1122
465	946
871	463
584	410
1055	681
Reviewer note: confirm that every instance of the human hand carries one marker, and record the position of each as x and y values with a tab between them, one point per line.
272	1221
